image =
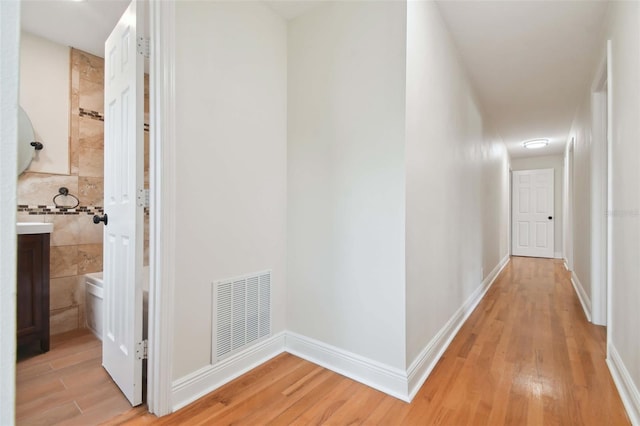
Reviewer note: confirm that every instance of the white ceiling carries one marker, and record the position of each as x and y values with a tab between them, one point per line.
84	25
531	63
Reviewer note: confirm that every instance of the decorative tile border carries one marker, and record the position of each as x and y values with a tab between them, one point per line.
91	114
95	115
44	210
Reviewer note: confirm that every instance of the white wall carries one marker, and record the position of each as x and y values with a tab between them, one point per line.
581	198
457	183
231	115
624	33
44	95
555	162
346	178
9	42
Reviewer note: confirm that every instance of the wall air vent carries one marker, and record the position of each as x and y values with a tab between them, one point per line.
243	312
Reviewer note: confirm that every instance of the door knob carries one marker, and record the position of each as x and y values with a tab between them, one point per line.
97	219
550	217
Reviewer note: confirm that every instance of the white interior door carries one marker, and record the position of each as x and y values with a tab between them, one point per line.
532	216
123	179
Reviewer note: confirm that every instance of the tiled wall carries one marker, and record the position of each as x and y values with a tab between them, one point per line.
76	242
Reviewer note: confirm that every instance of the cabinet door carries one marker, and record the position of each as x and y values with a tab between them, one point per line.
33	289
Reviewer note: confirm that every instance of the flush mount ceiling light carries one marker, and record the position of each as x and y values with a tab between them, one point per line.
535	143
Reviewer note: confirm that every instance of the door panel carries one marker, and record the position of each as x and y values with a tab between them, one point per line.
533	208
123	236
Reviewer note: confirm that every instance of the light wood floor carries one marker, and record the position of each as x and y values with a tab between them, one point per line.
526	356
66	385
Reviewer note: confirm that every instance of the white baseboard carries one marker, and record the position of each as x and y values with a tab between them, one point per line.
390	380
424	363
189	388
626	387
387	379
566	264
584	298
557	255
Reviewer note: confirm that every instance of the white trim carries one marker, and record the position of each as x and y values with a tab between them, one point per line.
9	63
422	366
384	378
566	266
582	295
162	205
390	380
557	255
626	387
199	383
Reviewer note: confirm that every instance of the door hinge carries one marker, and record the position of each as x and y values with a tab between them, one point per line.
142	349
144	46
143	197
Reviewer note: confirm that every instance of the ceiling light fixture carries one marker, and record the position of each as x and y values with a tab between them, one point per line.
535	143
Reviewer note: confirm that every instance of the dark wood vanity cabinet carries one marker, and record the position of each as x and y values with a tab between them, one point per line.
33	290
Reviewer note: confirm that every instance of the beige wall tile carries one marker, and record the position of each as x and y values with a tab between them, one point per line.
91	162
91	95
74	140
89	258
91	190
65	230
74	230
62	320
40	188
89	232
63	261
89	66
63	292
91	133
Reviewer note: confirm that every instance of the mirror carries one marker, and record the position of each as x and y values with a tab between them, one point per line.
25	137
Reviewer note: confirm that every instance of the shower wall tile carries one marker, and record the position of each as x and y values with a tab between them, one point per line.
40	188
62	320
91	162
89	258
90	190
63	292
63	261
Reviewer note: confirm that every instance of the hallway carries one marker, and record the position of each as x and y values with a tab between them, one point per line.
526	355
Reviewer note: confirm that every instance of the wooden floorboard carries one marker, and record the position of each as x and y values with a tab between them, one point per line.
525	356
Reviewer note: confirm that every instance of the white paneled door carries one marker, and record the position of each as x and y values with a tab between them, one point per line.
123	219
532	213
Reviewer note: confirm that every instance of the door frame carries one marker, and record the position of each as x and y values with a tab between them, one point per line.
162	216
9	74
162	195
601	192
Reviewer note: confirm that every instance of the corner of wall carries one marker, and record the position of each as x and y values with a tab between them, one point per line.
384	378
421	367
628	390
583	296
197	384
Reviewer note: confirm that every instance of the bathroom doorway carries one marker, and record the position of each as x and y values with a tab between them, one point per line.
76	243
